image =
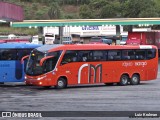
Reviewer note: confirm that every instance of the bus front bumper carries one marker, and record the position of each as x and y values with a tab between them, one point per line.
37	82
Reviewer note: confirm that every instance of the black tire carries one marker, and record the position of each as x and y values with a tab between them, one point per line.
61	83
135	80
1	83
124	80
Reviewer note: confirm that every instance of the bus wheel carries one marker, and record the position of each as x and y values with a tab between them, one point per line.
135	80
61	83
1	83
124	80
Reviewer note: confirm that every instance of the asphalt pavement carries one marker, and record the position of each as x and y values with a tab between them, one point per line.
143	97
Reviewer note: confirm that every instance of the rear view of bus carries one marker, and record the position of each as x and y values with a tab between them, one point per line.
62	65
49	38
11	69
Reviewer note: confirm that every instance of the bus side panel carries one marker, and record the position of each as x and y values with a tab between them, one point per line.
82	73
69	70
113	71
7	69
109	76
151	74
5	75
152	69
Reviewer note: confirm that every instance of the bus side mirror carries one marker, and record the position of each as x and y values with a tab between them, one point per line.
23	58
43	59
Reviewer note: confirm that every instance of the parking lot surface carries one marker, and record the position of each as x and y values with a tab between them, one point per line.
143	97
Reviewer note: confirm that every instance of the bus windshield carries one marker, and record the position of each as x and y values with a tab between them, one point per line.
95	39
49	35
66	39
33	65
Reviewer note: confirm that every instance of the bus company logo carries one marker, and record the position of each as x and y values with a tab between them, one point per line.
97	68
126	64
21	114
6	114
90	28
140	63
4	65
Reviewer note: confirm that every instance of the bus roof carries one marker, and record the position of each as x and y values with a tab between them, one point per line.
18	45
46	48
50	48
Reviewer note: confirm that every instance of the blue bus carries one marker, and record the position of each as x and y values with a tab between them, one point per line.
11	69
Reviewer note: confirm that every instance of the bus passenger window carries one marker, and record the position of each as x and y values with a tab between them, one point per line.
84	56
114	55
50	64
9	54
151	54
70	56
140	54
131	54
98	55
128	55
111	55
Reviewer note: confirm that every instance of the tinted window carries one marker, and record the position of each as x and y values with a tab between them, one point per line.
85	56
107	41
114	55
70	56
8	54
128	55
140	54
99	55
151	53
23	52
104	55
95	39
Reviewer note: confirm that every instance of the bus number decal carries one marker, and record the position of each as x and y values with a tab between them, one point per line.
126	64
90	67
140	63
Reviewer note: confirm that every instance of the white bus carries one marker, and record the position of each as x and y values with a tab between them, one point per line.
49	38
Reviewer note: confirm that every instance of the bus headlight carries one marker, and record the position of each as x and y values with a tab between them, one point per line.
40	83
40	78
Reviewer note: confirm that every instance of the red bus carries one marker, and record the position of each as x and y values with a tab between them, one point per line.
141	38
62	65
15	40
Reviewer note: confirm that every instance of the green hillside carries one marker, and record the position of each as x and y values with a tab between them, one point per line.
71	9
83	9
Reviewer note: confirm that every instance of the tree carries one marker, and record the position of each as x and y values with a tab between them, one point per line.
111	10
85	12
139	8
102	9
54	11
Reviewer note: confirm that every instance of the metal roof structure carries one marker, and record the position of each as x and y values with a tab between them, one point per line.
87	22
10	12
